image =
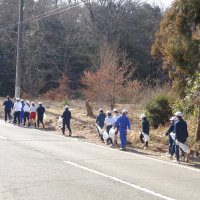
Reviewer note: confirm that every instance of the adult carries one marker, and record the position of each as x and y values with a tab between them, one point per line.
22	111
109	122
181	134
115	117
144	135
66	120
7	108
33	113
123	123
100	121
168	133
17	111
40	115
27	113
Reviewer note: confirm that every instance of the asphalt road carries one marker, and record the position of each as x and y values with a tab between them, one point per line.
39	165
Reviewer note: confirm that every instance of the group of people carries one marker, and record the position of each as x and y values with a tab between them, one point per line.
24	113
120	123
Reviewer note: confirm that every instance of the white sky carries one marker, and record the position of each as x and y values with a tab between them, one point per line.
161	3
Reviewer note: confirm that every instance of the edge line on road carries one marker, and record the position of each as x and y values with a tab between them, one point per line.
151	192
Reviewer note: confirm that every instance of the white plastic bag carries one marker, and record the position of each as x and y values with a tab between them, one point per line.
183	146
172	134
100	131
105	136
146	137
112	133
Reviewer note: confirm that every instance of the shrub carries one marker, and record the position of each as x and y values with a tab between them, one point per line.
158	110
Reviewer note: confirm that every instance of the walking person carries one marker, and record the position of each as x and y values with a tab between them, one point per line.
22	112
109	122
33	109
123	123
115	117
66	120
27	113
181	135
144	135
17	111
100	121
7	109
169	133
40	115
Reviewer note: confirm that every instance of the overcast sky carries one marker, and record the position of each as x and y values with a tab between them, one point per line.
165	3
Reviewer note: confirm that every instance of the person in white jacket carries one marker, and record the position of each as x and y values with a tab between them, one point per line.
17	111
27	113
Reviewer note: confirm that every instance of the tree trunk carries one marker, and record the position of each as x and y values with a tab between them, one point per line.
198	126
89	109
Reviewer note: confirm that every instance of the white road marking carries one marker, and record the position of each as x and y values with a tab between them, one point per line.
120	181
3	138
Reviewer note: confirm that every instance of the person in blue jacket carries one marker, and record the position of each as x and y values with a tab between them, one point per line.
145	130
22	112
7	108
66	120
123	123
181	133
167	133
100	121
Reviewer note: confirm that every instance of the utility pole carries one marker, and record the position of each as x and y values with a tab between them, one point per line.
19	50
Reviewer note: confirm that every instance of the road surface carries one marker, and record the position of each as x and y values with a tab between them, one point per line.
39	165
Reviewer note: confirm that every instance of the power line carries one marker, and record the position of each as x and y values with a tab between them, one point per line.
42	16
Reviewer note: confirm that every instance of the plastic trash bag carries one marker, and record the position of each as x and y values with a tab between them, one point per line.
183	146
100	131
146	137
45	117
60	119
172	135
105	136
112	133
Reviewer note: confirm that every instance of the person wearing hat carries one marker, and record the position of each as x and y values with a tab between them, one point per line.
115	117
145	130
168	132
123	123
7	108
109	122
66	120
40	115
32	118
22	111
181	133
17	111
100	121
27	113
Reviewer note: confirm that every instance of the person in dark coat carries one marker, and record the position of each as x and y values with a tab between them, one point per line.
40	115
100	121
66	120
145	130
181	133
7	108
167	133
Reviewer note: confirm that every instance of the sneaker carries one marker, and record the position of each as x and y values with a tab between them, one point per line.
168	155
176	161
145	148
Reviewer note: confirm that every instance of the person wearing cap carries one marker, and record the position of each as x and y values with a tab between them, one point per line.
167	133
66	120
123	123
109	122
17	111
115	117
145	130
22	111
7	108
32	119
181	133
27	113
40	115
100	121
